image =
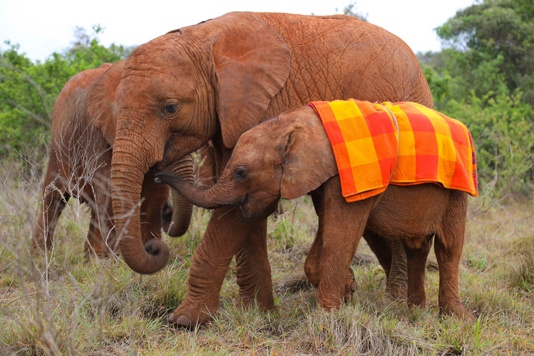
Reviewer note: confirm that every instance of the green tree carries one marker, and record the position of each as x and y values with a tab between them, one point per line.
497	37
485	78
503	132
28	90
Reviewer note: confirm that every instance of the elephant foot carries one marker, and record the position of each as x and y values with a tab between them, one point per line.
397	293
330	299
98	251
419	301
41	244
262	297
458	310
397	287
350	286
190	317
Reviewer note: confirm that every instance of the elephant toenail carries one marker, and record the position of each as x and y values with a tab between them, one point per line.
171	318
182	320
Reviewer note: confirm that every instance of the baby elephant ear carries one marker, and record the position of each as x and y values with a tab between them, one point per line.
309	159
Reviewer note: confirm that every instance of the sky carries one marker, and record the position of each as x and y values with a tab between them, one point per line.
42	27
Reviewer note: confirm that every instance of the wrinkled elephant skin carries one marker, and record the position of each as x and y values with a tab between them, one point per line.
275	160
79	165
215	80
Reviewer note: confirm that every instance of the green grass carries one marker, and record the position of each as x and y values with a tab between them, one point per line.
63	304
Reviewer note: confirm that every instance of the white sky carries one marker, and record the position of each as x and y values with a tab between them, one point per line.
42	27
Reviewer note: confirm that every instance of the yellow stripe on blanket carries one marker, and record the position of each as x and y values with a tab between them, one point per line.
433	148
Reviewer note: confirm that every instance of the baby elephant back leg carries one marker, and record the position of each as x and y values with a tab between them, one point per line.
448	246
417	254
392	257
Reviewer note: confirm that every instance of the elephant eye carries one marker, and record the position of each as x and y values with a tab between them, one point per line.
240	174
170	109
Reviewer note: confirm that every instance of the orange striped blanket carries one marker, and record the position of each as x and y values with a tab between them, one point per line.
432	148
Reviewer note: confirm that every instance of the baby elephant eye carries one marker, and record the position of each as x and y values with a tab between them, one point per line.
170	109
240	174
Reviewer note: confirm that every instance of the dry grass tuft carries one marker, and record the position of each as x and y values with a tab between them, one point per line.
523	276
59	303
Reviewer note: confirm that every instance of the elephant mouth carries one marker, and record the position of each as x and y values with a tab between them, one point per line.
247	218
248	213
257	211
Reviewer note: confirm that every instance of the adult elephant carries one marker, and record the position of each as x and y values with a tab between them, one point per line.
219	78
79	165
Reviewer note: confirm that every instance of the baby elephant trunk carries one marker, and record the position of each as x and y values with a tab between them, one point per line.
210	198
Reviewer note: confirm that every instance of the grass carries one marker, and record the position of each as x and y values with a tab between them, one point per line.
62	304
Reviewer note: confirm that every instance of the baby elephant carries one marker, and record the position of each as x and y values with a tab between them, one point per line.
79	165
399	170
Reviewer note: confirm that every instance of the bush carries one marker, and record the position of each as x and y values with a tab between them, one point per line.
28	90
503	132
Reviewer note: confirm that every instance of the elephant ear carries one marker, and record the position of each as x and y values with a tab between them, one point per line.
251	66
309	159
102	101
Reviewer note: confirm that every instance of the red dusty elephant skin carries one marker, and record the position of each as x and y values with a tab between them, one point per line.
290	156
79	165
217	79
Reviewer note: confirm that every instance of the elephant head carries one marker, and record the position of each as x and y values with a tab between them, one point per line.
182	100
286	157
102	110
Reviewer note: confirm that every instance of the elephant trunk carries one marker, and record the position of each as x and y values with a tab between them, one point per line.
210	198
182	208
127	174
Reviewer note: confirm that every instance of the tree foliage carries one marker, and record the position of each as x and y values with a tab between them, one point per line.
502	128
498	34
485	78
28	90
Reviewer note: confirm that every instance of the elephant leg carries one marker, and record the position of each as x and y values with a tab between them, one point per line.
311	266
416	258
175	219
344	224
225	236
101	239
397	281
54	199
253	270
392	257
155	197
95	244
381	248
448	245
341	236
